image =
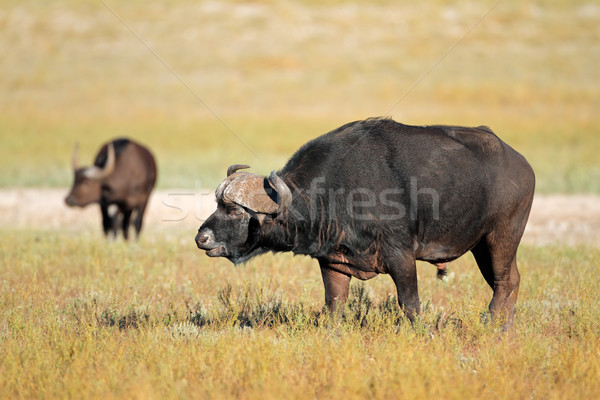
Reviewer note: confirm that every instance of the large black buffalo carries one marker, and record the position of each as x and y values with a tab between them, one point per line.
123	175
373	196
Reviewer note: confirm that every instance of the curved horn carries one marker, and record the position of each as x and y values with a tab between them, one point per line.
97	173
233	169
75	151
284	194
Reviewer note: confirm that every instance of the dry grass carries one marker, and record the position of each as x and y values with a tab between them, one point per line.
273	75
82	318
157	319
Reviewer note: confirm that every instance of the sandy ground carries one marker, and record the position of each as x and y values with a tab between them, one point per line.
565	219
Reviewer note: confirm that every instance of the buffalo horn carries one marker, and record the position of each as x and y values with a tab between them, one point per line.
233	169
284	194
97	173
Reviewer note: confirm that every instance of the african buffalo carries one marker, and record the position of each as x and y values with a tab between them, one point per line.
123	175
373	196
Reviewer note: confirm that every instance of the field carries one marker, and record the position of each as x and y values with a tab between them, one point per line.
83	319
208	84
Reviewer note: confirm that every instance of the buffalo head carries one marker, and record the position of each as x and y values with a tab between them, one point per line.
245	202
88	180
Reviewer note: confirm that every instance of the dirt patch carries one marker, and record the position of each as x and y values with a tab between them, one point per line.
566	219
45	209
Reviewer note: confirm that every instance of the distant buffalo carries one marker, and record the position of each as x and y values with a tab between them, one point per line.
123	176
374	196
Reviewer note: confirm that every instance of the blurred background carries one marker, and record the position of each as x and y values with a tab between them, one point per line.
206	84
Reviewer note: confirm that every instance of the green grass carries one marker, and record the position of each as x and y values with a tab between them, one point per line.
82	318
271	75
189	154
197	154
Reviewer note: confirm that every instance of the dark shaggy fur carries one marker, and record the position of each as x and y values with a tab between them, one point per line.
373	196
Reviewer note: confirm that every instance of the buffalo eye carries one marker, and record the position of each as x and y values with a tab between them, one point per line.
235	211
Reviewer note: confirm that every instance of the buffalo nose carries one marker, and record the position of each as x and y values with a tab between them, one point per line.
69	201
203	238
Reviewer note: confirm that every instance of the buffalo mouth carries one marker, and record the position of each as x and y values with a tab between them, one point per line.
71	202
218	251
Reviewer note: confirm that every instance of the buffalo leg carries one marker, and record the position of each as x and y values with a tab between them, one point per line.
125	222
137	222
498	264
483	258
404	275
117	217
337	286
107	219
496	256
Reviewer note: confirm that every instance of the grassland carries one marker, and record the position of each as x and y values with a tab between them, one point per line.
208	84
83	319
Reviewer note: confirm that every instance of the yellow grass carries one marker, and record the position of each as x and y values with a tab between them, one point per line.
208	84
157	319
